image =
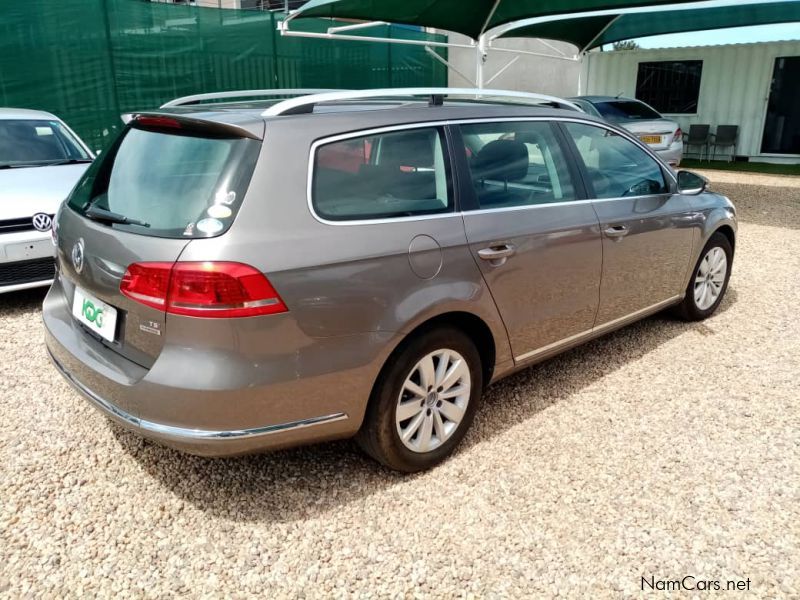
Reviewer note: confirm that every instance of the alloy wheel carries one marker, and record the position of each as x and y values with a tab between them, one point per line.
433	400
710	278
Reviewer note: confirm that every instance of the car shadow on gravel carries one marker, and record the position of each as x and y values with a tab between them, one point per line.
13	304
299	483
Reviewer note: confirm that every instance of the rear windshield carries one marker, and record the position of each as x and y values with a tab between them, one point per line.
626	111
36	142
176	184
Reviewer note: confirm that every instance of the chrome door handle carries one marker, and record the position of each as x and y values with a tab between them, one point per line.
497	254
617	231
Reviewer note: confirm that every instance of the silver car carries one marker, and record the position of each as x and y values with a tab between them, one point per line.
239	277
41	160
663	135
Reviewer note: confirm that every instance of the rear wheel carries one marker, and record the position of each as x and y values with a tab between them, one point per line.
424	401
709	280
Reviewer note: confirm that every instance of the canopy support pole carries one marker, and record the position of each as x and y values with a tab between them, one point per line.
283	29
355	26
600	33
503	70
540	54
481	61
448	64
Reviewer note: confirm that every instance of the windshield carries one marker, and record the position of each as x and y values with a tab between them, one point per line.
174	184
37	142
626	110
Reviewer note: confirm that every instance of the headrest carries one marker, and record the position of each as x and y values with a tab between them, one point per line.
502	160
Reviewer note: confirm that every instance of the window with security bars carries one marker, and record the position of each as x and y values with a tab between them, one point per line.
671	87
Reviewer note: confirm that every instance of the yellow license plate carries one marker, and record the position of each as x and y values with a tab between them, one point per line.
650	139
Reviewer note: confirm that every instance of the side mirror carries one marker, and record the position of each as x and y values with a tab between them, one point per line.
691	184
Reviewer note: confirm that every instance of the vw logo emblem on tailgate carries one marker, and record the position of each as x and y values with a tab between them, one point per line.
77	255
42	222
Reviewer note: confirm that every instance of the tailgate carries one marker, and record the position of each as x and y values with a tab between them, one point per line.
138	331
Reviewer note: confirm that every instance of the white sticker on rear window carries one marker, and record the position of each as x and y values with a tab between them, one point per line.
219	211
209	226
225	197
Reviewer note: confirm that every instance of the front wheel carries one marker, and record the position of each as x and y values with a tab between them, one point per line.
424	401
709	280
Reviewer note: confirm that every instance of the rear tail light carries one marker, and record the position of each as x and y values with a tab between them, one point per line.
202	289
678	136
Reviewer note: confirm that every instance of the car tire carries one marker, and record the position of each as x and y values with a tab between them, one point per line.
444	364
705	280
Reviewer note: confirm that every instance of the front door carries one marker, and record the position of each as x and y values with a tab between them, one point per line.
647	230
536	241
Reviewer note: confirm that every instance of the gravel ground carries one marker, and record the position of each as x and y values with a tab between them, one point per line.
665	449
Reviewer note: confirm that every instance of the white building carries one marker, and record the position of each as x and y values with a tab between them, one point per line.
754	86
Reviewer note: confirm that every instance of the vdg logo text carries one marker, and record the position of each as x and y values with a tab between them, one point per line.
92	313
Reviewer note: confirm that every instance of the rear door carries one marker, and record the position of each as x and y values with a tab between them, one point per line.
535	239
647	230
175	181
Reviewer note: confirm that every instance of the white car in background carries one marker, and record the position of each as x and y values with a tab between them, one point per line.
41	160
664	136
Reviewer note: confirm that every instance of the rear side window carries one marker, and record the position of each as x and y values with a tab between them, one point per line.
616	166
387	175
181	184
516	164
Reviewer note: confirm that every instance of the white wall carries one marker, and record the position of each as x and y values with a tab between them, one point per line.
734	86
529	74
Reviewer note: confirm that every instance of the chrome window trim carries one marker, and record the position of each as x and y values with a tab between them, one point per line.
597	329
456	122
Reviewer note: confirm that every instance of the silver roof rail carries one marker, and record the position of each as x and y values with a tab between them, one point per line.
242	94
305	104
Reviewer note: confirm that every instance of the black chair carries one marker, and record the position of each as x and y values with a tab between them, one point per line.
699	135
726	136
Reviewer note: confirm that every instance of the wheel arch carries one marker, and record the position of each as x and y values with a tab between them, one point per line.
728	232
469	323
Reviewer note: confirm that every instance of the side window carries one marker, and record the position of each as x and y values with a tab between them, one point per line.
616	166
516	164
396	174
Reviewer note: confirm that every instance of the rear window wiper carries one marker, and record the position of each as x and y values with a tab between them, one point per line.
106	216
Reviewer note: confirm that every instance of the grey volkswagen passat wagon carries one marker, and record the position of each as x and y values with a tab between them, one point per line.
245	276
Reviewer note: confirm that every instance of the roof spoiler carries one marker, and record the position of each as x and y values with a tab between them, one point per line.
170	122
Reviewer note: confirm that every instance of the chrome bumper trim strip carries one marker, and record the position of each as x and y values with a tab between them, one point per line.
184	434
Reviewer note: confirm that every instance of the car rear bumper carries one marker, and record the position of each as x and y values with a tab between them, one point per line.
162	404
200	441
672	155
